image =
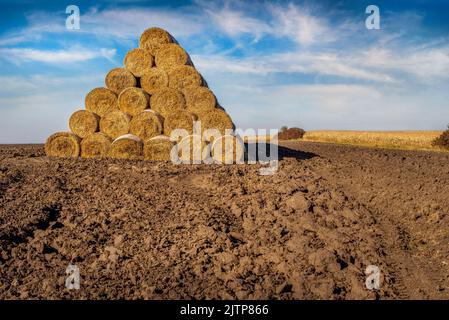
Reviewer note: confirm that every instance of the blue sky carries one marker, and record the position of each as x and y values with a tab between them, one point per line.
311	64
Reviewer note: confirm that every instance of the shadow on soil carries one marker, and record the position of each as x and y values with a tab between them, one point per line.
262	152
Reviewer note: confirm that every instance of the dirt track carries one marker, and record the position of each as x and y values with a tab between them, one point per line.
158	231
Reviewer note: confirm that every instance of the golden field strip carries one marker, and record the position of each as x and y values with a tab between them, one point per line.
406	140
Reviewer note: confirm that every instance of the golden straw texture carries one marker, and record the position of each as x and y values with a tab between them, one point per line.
115	124
63	144
152	38
171	55
96	145
83	123
133	101
127	147
182	77
153	80
146	125
158	148
138	61
101	101
167	101
118	79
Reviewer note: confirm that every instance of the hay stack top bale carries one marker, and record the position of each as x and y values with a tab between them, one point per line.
133	101
63	145
115	124
96	145
166	101
171	55
146	125
152	38
119	79
153	80
138	61
199	100
127	146
182	77
83	123
101	101
216	119
159	148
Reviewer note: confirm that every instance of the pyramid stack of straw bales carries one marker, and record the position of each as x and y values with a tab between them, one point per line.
157	91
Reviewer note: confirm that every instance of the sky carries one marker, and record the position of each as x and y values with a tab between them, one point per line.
308	64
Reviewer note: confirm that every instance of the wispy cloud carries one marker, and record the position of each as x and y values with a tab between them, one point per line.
20	55
299	24
299	63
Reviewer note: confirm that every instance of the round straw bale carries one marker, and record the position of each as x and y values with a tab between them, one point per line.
184	76
115	124
133	101
63	144
154	79
199	99
83	123
96	145
101	101
146	125
127	146
167	101
152	38
228	149
171	55
138	61
193	149
158	148
216	119
181	119
118	79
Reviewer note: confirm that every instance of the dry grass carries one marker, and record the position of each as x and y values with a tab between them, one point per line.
96	145
153	80
127	146
115	124
181	120
146	125
171	55
63	145
199	100
101	101
167	101
182	77
218	120
133	101
406	140
119	79
158	148
138	61
83	123
152	38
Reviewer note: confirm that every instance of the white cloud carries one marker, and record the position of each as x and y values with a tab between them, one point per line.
19	55
303	63
235	23
425	63
299	24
